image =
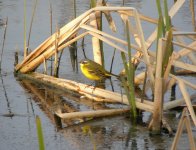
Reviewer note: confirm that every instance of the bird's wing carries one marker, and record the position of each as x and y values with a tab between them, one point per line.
97	72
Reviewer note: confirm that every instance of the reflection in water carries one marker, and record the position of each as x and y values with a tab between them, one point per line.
105	133
10	114
52	100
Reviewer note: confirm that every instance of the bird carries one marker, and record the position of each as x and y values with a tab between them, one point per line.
94	71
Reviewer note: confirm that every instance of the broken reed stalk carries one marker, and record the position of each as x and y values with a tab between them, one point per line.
184	120
25	29
192	9
158	92
51	58
83	88
56	54
89	114
4	37
31	24
95	41
187	100
173	10
45	66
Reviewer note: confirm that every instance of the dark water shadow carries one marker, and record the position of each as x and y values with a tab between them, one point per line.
9	114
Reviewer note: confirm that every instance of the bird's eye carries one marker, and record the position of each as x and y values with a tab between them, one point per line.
85	62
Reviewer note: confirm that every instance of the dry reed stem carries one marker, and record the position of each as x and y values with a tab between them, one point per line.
179	131
184	81
45	66
79	87
68	28
184	120
190	133
107	41
176	103
158	90
144	48
97	54
87	27
89	114
187	100
181	45
184	65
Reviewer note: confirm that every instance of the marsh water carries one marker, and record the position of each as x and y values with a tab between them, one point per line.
21	100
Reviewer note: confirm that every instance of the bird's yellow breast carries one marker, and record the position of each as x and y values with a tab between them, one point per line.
89	75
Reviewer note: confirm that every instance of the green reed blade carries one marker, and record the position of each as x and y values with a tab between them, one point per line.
168	50
160	15
93	3
167	17
40	133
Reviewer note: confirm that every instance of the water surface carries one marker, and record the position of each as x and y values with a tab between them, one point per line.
23	98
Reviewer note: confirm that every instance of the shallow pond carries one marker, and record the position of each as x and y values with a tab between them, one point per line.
26	100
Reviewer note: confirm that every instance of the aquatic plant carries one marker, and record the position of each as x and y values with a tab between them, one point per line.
129	74
40	134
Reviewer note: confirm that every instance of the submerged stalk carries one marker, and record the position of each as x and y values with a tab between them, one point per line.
4	37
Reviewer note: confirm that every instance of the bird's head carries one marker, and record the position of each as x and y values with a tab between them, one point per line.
84	62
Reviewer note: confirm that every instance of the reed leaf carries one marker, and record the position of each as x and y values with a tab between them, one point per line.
93	3
159	7
132	71
40	134
160	15
129	72
168	50
167	17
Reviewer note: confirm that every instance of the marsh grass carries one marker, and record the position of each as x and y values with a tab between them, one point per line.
129	74
40	134
164	30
